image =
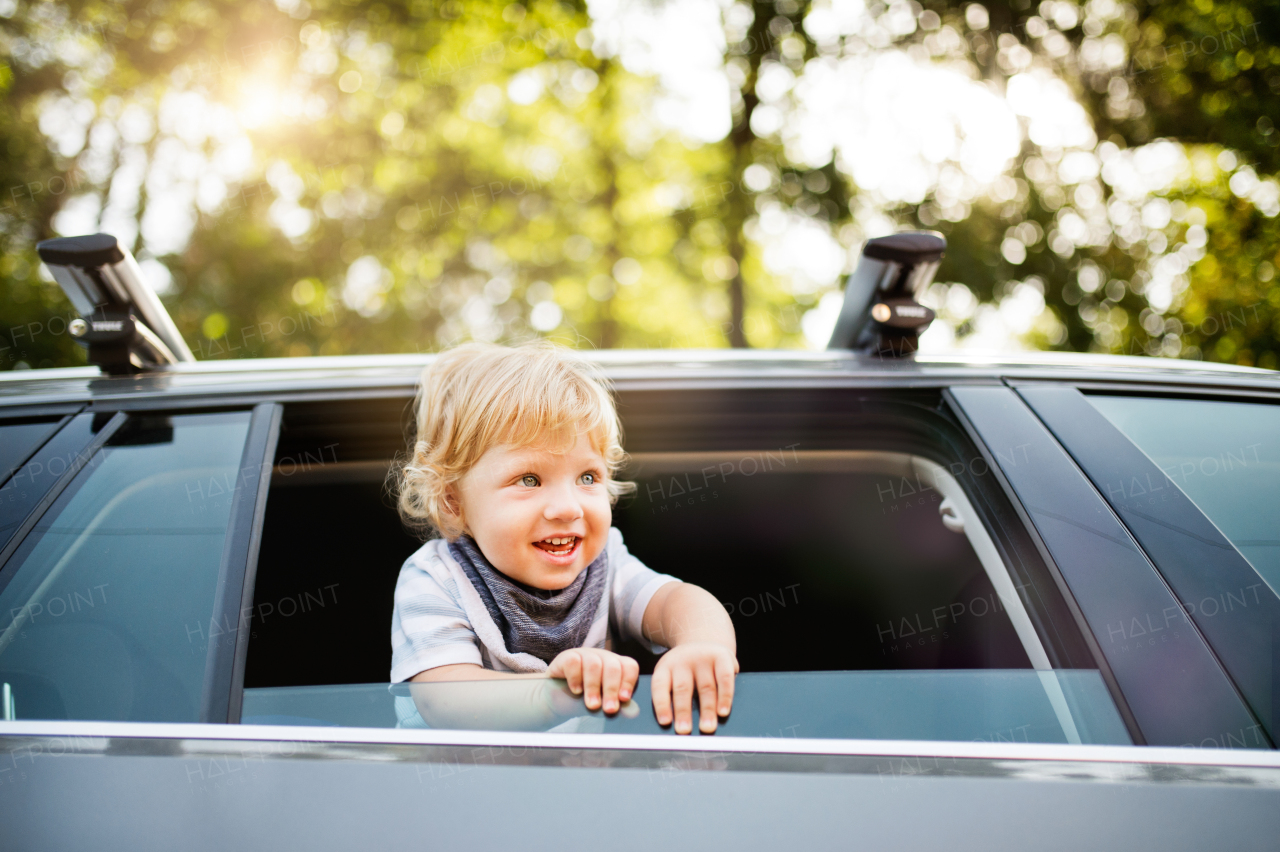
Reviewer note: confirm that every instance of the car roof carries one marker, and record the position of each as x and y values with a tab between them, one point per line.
397	375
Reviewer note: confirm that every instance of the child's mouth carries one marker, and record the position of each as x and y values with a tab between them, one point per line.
560	546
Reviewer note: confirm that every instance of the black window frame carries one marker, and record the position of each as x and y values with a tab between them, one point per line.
233	604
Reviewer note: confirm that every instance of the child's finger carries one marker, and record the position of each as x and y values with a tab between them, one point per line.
707	706
591	672
660	686
630	674
571	670
682	698
610	681
724	686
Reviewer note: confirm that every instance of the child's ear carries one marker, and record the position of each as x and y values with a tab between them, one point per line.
453	506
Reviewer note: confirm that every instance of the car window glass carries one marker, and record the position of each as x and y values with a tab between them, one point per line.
104	610
1068	706
28	485
1224	455
19	440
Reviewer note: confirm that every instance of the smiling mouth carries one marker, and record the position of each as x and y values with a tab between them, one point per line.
558	545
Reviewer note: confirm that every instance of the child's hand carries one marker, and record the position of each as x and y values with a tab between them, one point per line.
709	668
600	677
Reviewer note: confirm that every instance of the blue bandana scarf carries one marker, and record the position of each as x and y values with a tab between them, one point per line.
534	621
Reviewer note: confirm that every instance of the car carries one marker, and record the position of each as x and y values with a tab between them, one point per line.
1024	600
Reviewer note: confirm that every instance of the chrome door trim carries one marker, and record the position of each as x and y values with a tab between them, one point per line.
112	732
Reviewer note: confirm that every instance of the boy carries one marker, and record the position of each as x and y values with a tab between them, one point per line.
514	467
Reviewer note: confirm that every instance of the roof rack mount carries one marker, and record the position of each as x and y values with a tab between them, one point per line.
122	321
880	313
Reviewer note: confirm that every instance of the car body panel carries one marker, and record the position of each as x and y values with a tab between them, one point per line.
213	788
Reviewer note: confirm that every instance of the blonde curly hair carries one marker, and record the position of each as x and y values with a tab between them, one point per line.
479	395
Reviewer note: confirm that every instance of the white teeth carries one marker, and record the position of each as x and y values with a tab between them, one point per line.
560	541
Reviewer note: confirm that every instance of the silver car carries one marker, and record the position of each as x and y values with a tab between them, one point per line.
1024	602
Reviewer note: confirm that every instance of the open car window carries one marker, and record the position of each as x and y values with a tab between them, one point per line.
870	600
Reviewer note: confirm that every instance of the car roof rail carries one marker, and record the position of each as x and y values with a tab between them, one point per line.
122	321
880	314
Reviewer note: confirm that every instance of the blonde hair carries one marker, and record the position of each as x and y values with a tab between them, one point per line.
479	396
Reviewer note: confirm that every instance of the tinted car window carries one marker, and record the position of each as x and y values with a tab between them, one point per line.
19	440
107	603
28	484
1224	455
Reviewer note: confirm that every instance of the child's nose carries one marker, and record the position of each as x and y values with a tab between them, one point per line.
562	504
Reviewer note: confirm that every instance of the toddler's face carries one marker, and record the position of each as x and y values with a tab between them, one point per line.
540	517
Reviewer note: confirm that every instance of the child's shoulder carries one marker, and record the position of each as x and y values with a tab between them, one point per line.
429	563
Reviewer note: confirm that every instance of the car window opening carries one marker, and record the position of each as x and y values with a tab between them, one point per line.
847	573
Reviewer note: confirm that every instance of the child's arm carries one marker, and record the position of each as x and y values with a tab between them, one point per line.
693	624
461	697
602	678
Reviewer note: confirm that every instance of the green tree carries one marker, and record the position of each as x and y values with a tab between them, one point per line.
396	176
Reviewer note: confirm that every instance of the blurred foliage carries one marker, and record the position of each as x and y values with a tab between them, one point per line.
353	177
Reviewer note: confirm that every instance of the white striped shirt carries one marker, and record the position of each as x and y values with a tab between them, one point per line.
440	620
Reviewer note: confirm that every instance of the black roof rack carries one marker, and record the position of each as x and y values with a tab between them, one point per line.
880	312
121	320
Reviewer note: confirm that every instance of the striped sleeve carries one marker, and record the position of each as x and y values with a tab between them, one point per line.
634	585
429	628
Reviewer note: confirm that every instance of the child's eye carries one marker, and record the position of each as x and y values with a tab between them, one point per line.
529	479
587	479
